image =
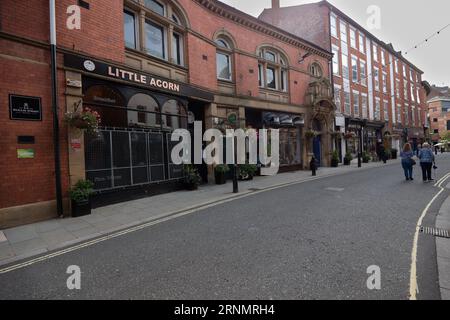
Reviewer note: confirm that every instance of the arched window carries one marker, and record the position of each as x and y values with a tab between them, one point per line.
174	115
272	70
164	30
316	70
145	111
224	59
106	100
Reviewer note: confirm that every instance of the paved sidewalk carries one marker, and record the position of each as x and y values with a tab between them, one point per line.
443	249
38	238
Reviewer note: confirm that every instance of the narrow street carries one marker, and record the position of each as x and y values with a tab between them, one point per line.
306	241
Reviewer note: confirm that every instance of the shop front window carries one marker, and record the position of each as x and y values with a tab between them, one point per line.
290	147
174	115
143	111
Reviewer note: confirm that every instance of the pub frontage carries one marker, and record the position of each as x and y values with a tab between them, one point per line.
138	112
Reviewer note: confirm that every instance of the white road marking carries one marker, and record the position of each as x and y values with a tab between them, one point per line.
413	286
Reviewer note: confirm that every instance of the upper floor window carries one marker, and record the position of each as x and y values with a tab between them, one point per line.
343	27
129	23
223	59
272	70
353	38
155	6
333	25
316	70
383	57
396	65
361	43
163	35
375	52
336	69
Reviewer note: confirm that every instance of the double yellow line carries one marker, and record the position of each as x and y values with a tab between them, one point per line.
413	286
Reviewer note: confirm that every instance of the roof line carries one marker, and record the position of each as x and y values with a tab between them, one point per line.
264	24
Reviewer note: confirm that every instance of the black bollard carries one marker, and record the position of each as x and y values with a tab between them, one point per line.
313	166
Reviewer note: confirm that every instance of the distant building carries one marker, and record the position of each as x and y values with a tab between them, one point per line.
438	111
374	85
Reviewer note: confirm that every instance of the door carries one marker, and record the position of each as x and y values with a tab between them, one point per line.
317	150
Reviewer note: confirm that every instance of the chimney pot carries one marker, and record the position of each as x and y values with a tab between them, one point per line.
275	4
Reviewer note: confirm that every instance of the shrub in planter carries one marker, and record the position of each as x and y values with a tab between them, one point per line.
247	171
348	159
192	178
394	153
366	157
220	172
335	159
80	196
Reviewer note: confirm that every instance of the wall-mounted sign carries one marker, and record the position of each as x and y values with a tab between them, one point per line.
25	153
135	77
74	83
25	108
75	144
232	118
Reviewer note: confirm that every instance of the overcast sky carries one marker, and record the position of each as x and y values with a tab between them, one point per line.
405	23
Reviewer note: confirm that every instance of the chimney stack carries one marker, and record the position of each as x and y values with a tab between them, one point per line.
275	4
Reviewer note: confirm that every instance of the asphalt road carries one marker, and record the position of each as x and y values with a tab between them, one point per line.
307	241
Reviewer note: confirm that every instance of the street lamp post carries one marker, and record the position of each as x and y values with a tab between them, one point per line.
360	142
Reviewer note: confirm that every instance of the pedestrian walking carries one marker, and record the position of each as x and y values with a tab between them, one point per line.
407	161
426	157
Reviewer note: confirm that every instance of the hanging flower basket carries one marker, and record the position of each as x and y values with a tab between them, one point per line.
85	119
349	135
310	134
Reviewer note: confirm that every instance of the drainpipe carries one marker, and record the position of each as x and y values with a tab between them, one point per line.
55	108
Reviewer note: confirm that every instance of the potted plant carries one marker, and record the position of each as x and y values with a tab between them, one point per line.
80	195
366	157
192	178
394	153
220	172
335	159
85	119
247	171
348	159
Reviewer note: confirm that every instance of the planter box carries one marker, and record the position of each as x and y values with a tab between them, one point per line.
80	209
347	162
220	178
334	164
190	186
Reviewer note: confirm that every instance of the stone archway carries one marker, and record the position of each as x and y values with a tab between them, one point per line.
322	124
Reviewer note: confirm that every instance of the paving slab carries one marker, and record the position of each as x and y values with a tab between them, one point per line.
20	234
6	251
83	233
445	294
444	272
443	247
2	237
56	237
75	224
47	226
26	246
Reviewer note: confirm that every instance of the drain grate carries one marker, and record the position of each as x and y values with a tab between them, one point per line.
441	233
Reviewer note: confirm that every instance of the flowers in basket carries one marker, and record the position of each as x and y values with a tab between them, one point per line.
85	119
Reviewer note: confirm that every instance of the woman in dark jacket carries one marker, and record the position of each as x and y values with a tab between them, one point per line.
407	161
426	157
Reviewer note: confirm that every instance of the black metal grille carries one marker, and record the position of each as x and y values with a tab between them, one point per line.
121	158
440	233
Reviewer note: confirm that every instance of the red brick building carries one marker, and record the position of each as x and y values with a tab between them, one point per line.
148	67
375	87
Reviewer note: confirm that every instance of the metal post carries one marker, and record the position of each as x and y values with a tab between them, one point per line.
58	188
235	167
359	147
